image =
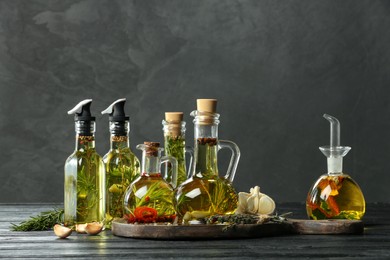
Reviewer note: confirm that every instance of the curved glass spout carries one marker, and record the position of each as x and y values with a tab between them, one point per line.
334	130
334	152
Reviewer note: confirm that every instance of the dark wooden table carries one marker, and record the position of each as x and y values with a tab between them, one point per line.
373	244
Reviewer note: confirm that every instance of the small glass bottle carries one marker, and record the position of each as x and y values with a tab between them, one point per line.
122	166
149	198
84	200
174	144
335	195
206	193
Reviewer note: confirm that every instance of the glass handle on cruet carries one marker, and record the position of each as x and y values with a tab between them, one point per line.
231	171
190	151
172	160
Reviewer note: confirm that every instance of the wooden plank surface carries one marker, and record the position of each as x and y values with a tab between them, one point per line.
373	244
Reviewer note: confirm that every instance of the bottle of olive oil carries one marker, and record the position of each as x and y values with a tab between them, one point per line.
335	195
121	165
174	129
84	174
206	192
148	199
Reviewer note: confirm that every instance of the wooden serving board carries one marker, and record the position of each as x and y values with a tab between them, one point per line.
202	231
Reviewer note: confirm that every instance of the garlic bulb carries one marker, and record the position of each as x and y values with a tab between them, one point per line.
254	202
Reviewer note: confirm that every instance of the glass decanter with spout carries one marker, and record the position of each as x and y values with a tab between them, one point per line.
335	195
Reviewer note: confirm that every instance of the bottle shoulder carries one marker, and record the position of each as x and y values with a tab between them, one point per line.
126	154
84	154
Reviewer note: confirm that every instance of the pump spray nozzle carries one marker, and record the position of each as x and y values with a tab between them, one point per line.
334	152
85	122
82	111
119	122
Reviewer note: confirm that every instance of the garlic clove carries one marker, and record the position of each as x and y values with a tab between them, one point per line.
61	231
93	228
80	228
266	205
197	214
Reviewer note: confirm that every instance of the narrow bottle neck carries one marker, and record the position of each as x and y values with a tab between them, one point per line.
151	158
85	135
174	129
119	142
85	142
151	165
205	149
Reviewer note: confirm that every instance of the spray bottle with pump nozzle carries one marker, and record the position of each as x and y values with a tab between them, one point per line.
122	166
84	200
335	195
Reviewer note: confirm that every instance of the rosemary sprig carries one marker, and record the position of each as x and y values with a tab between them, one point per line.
43	221
175	146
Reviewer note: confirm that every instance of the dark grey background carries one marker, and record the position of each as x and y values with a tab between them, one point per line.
274	66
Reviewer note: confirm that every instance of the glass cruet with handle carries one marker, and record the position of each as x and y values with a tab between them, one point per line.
207	193
148	199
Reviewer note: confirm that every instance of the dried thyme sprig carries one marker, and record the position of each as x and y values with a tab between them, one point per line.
245	219
44	221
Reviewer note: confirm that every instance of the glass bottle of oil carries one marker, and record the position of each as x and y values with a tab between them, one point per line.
335	195
206	192
121	165
84	200
174	144
149	198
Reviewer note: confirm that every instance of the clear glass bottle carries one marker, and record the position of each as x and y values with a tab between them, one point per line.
84	200
121	165
206	193
149	198
335	195
174	144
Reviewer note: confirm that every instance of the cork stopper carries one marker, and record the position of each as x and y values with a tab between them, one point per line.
151	148
173	117
206	109
206	105
174	120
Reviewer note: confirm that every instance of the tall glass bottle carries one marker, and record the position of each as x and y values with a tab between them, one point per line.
335	195
149	198
121	165
206	192
174	144
84	200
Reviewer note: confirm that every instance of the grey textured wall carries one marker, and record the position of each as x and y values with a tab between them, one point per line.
274	66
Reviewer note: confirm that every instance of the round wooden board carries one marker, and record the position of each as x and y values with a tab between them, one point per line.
327	227
194	232
201	231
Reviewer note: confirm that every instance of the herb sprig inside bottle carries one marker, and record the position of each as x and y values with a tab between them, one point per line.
174	143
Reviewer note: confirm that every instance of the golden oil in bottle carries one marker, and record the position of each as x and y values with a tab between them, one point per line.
151	191
205	193
84	186
149	198
335	196
122	168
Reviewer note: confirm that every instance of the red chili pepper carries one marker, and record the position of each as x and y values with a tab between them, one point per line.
145	214
332	204
130	218
147	199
